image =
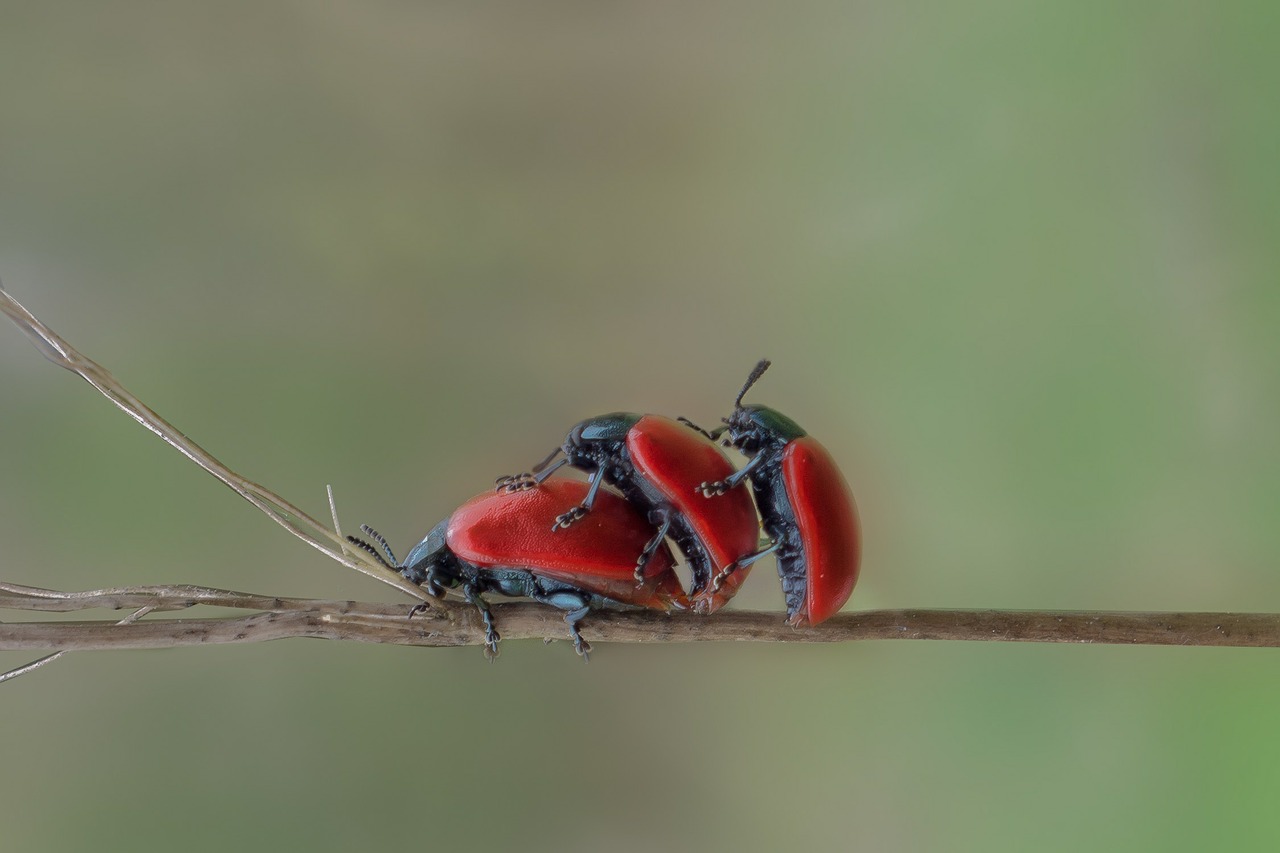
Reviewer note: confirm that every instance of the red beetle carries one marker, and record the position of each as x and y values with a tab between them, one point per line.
658	464
805	503
506	543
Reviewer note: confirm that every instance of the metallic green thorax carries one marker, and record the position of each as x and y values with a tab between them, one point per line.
769	420
611	427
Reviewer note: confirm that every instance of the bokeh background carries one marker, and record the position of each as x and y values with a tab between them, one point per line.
1015	264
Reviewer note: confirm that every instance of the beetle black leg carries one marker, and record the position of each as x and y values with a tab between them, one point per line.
514	483
578	512
719	487
565	519
545	462
491	637
576	605
713	434
581	646
662	518
539	477
530	479
433	588
740	563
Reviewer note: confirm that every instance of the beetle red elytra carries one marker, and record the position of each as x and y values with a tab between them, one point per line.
657	463
504	543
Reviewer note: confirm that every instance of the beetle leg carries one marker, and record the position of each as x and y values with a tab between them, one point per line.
713	434
577	606
491	637
719	487
514	483
530	479
578	512
436	581
581	646
545	462
547	472
565	519
740	563
662	518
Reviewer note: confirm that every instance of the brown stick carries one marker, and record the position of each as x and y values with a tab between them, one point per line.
458	625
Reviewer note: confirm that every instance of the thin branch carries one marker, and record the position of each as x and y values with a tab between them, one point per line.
456	624
175	597
48	659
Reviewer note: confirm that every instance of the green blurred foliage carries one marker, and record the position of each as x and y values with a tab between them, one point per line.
1015	264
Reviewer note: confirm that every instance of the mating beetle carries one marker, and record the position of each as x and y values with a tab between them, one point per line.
505	543
805	504
658	465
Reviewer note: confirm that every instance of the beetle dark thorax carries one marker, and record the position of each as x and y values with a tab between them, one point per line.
612	427
428	554
765	420
596	442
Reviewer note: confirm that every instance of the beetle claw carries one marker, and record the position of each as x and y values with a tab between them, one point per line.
515	483
723	575
711	490
491	639
564	520
642	563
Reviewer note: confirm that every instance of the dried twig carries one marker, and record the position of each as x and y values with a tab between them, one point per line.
456	624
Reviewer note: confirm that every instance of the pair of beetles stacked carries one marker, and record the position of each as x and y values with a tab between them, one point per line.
569	544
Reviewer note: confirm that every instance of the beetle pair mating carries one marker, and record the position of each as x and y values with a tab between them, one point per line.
575	546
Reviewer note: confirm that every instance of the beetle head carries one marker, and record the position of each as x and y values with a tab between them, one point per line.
752	427
427	556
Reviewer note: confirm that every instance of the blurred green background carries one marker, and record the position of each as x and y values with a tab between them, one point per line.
1015	265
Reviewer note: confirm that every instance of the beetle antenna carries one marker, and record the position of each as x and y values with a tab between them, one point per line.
751	380
377	537
373	552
